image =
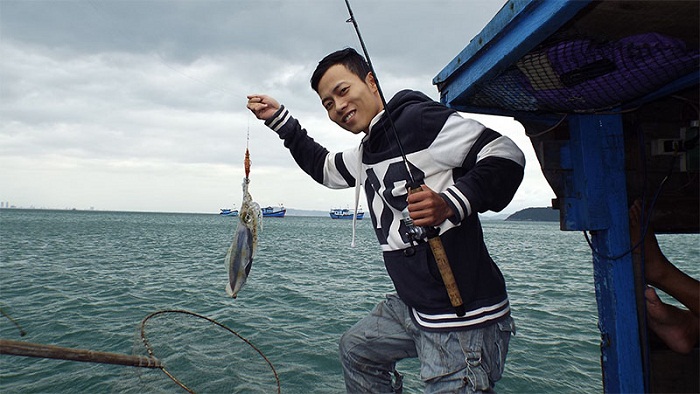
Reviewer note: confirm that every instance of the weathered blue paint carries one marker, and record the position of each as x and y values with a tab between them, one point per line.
592	164
598	203
517	28
584	206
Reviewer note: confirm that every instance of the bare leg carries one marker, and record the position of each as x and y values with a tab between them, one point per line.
658	270
678	328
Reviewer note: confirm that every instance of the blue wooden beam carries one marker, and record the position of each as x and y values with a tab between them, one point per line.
517	28
584	205
683	82
597	201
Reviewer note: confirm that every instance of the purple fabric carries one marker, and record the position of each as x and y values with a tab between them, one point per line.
597	76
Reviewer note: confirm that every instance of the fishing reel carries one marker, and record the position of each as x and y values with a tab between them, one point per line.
413	232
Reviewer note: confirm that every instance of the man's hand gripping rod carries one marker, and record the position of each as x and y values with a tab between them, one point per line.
443	264
433	233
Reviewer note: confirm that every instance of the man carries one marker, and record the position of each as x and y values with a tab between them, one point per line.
462	168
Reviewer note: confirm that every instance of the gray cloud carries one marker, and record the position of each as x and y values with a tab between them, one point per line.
140	105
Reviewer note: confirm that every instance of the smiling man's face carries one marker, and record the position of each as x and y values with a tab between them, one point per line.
351	102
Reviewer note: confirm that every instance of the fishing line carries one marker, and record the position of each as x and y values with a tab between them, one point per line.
645	227
645	216
566	115
246	161
199	354
14	322
381	94
415	233
543	132
647	220
644	221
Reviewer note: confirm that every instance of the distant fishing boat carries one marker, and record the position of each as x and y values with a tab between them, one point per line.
274	212
228	212
344	213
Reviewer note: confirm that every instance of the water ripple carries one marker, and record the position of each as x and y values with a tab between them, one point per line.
87	279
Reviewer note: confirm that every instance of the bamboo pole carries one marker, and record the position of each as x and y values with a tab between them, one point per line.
29	349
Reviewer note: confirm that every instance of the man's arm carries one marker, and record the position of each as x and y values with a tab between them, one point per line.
488	169
493	170
325	168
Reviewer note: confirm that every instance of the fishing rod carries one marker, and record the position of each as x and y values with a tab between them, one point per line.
414	232
381	94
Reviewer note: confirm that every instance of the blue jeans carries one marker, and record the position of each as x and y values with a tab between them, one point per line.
451	362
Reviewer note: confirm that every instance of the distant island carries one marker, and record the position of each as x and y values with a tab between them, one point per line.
535	215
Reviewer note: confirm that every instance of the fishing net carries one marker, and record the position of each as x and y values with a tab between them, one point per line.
198	354
201	355
585	75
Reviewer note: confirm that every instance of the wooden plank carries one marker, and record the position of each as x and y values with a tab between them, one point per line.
29	349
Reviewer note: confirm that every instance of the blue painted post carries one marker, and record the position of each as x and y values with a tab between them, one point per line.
596	200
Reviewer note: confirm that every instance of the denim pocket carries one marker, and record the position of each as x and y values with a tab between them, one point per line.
452	360
498	351
441	354
475	357
477	375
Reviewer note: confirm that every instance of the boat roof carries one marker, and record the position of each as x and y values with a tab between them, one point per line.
607	92
494	75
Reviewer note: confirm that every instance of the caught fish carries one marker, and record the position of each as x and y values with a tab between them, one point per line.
239	258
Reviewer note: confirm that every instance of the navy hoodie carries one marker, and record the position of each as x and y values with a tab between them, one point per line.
474	169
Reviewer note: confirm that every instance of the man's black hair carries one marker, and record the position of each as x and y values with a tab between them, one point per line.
348	57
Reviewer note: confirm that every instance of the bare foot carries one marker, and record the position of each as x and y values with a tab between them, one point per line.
678	328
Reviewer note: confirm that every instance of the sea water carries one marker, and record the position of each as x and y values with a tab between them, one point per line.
84	279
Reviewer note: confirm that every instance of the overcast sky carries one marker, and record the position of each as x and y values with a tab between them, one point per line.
140	105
